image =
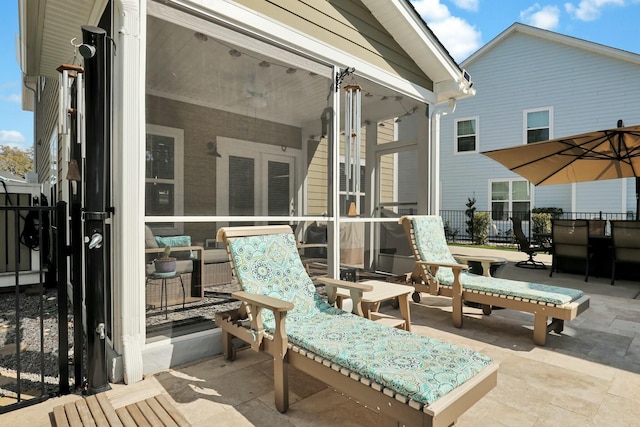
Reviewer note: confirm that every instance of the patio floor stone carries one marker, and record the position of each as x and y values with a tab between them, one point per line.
587	376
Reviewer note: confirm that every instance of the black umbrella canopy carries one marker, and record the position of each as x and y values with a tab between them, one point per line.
592	156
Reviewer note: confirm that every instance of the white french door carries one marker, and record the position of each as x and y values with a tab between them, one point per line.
254	179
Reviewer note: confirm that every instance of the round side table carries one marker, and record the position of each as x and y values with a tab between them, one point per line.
163	290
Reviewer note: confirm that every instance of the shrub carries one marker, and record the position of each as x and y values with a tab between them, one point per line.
469	212
541	222
481	221
554	212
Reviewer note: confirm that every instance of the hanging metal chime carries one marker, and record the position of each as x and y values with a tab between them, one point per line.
352	131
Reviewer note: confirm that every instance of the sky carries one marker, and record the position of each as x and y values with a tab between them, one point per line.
462	26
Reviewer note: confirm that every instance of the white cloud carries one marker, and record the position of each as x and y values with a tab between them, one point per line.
14	97
471	5
458	36
589	10
13	138
546	17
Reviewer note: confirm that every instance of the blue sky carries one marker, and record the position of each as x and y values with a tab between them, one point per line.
463	26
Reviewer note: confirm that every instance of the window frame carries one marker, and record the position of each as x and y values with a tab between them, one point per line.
510	199
456	148
525	128
178	176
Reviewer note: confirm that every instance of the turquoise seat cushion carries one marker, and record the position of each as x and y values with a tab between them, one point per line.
420	368
432	247
176	242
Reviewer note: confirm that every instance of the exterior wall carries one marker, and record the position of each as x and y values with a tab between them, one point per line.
200	168
46	119
347	24
586	90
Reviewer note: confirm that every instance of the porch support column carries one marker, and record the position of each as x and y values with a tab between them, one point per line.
426	176
128	188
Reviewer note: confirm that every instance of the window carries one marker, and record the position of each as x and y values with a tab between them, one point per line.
466	135
510	199
164	176
538	125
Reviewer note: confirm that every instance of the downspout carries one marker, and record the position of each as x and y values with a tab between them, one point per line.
434	153
129	20
35	150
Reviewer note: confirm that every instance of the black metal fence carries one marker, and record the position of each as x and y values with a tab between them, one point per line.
459	224
34	304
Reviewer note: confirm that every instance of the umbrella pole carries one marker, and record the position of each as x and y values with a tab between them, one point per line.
637	198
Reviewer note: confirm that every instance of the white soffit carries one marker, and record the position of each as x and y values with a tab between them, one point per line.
50	27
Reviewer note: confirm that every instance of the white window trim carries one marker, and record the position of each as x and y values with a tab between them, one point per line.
534	110
455	135
510	181
178	171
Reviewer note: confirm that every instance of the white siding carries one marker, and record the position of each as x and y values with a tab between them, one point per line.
586	90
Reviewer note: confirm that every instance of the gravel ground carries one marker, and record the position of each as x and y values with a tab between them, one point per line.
31	342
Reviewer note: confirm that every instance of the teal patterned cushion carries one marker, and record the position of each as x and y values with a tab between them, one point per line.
420	368
176	242
432	247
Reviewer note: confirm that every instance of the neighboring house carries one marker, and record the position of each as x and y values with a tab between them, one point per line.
227	112
535	85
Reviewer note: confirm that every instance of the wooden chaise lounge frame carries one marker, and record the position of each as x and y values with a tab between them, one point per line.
422	280
443	412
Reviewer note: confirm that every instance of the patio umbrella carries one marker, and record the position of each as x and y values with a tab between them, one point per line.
593	156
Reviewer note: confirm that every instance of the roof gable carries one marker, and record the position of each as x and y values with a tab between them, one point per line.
554	37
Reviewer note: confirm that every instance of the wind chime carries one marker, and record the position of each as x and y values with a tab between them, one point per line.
352	132
71	119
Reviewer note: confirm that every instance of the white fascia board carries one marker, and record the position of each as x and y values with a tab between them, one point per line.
382	8
247	19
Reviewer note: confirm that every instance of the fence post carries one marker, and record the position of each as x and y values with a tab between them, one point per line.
63	299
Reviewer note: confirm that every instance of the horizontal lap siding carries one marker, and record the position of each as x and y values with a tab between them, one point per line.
587	91
347	25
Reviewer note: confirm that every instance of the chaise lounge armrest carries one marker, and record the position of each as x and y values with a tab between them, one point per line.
355	290
274	304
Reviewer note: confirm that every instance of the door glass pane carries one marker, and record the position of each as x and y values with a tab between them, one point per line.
278	188
159	201
241	185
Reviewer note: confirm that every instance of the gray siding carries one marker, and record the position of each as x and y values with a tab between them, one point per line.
46	119
347	24
587	91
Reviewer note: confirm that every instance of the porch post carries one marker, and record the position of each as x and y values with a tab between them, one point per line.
128	189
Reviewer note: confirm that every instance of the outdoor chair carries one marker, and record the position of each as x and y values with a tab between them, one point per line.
626	244
570	240
597	227
408	377
437	272
525	246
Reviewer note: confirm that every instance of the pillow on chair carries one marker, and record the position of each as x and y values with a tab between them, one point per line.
176	242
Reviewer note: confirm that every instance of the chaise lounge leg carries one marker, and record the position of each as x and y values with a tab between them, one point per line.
227	346
540	329
280	371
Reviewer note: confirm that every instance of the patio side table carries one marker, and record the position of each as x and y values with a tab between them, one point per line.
163	290
382	291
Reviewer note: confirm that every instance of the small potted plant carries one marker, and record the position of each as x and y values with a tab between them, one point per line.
166	263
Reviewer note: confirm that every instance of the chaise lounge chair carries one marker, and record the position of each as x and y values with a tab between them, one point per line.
411	378
438	273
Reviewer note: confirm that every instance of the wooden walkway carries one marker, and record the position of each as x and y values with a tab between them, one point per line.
97	411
